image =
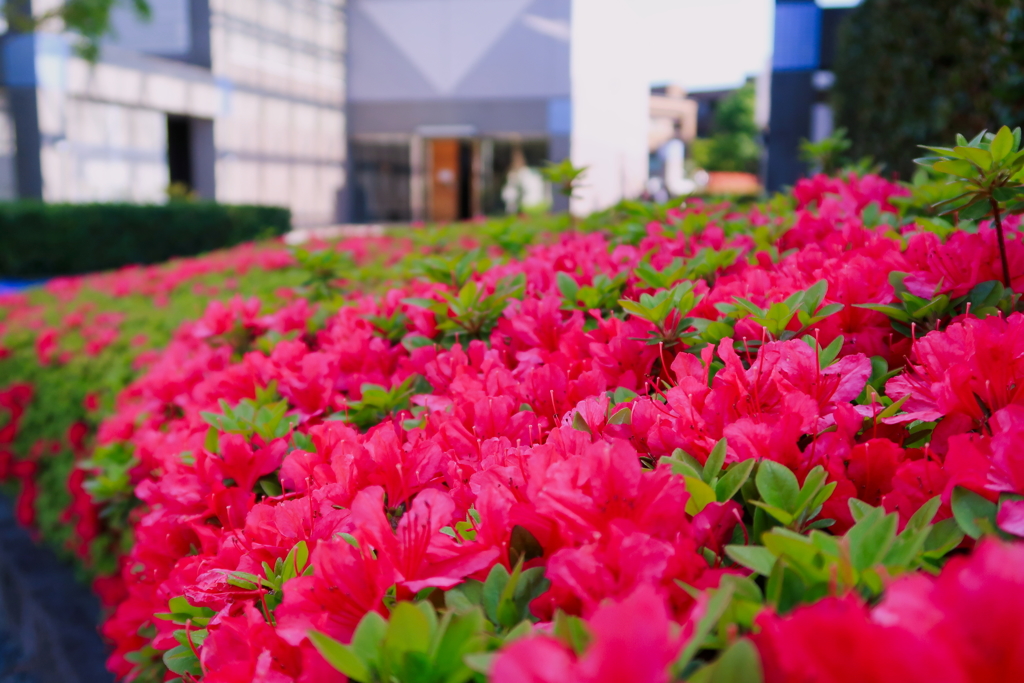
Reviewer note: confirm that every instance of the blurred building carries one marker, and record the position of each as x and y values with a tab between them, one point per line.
673	116
707	107
801	78
447	98
673	125
241	100
367	110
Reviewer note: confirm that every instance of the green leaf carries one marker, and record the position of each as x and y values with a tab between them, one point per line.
181	660
892	409
715	460
465	596
804	555
493	588
959	168
936	306
716	607
634	308
977	210
777	485
858	508
829	353
741	663
814	295
418	302
776	512
977	156
683	463
408	629
1006	194
890	311
523	546
458	636
969	508
820	524
750	307
579	423
621	417
507	611
531	584
754	557
924	515
1001	145
732	481
270	485
813	483
943	538
212	442
341	657
368	636
567	286
572	631
700	495
941	151
871	538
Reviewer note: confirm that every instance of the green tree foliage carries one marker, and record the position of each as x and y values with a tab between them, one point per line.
912	71
734	145
89	19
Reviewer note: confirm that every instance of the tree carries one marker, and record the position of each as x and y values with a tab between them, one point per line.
734	145
920	71
89	19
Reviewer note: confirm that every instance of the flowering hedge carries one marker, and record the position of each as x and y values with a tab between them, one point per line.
696	443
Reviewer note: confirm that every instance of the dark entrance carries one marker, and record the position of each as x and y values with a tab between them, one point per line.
179	151
191	157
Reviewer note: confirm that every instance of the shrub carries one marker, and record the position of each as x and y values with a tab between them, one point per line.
681	443
914	72
44	240
734	144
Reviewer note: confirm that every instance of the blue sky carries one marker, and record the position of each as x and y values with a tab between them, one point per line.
704	44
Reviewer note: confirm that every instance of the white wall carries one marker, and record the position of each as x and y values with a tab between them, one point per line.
610	102
104	126
280	128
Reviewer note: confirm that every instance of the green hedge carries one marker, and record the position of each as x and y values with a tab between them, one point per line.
42	240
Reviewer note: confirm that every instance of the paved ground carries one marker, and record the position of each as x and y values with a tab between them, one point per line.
47	618
12	662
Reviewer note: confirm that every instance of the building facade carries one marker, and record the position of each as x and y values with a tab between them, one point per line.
342	110
801	78
241	100
448	99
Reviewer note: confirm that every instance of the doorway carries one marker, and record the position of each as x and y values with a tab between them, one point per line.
191	156
450	179
179	151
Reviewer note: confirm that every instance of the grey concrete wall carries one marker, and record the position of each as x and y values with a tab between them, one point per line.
480	117
455	50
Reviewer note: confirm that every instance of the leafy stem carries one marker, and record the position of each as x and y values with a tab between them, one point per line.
997	217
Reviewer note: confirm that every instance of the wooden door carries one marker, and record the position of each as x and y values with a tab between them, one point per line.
444	180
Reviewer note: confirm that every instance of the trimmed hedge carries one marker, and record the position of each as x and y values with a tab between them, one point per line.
42	240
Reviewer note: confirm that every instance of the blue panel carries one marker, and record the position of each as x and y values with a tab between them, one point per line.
797	36
560	116
20	60
36	59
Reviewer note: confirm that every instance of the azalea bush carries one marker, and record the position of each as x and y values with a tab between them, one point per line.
779	442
